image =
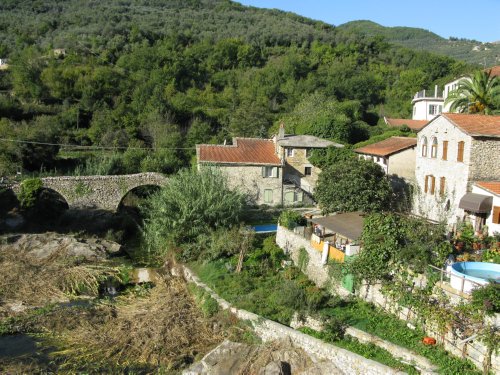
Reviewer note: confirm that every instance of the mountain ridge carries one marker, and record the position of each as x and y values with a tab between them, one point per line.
471	51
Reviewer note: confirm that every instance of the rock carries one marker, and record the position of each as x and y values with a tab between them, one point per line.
276	368
46	245
277	358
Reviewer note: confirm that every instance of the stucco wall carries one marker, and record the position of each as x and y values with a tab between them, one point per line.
248	179
434	207
421	108
402	164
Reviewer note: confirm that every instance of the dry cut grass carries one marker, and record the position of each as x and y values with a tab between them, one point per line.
163	329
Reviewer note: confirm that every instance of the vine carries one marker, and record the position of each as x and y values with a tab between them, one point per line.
303	261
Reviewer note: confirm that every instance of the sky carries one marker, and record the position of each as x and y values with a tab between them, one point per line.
478	19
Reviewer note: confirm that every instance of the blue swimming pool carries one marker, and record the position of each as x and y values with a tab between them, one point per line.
466	276
265	228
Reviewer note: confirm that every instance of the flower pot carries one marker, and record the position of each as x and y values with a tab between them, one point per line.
429	340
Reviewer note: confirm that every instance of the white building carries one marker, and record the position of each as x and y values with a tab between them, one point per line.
395	155
487	213
454	151
427	105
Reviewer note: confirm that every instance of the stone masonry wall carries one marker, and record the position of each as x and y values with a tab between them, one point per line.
291	244
248	179
348	362
485	159
318	273
98	192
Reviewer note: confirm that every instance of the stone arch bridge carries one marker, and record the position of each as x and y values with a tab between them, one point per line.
97	192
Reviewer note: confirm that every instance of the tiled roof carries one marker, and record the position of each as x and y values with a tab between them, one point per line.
476	125
494	71
388	147
242	151
412	124
491	186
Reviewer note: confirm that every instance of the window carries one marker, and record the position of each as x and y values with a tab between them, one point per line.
268	196
307	171
426	184
433	109
440	109
269	172
445	150
434	148
460	154
442	186
424	146
433	185
496	215
289	152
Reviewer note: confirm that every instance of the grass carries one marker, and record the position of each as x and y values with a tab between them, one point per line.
369	351
266	289
366	317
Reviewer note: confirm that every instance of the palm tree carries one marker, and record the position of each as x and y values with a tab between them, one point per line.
479	93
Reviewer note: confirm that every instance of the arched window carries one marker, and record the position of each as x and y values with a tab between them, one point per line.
434	148
424	146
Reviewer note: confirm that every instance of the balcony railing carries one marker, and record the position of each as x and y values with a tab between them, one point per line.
428	94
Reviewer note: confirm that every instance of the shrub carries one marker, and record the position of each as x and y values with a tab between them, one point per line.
487	298
29	192
291	219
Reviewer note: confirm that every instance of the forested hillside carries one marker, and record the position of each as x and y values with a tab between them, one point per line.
148	79
472	51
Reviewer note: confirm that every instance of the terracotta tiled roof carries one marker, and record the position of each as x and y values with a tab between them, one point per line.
494	71
242	151
412	124
388	147
491	186
476	125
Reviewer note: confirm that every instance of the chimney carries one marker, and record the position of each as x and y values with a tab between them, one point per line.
281	132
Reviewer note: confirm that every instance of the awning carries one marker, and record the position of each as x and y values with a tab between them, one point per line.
348	225
476	203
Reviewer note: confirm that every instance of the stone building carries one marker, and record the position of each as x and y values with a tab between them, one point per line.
395	155
454	151
269	171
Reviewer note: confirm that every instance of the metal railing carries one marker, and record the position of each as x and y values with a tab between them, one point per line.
445	276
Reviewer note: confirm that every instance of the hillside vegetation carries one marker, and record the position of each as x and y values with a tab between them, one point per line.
471	51
149	79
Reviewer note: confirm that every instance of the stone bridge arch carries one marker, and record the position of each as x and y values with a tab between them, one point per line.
98	192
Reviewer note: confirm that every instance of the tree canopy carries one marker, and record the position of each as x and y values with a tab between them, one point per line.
479	93
353	185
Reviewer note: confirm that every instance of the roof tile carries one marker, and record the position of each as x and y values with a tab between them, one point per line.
491	186
412	124
476	125
242	151
388	146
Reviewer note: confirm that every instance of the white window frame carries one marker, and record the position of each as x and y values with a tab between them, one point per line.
270	172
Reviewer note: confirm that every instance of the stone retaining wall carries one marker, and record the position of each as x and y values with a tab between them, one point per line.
318	273
348	362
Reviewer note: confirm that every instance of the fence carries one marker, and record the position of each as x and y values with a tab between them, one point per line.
461	284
